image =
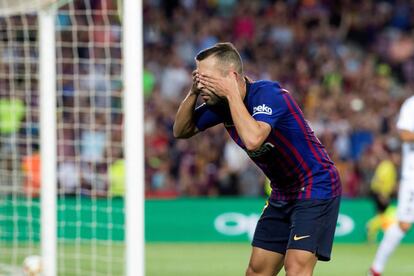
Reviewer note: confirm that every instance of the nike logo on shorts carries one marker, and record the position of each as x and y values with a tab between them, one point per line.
297	238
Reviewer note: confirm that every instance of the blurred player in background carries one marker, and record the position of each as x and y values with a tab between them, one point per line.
405	209
383	185
298	223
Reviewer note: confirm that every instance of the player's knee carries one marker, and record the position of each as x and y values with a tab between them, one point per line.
405	226
253	270
294	267
250	271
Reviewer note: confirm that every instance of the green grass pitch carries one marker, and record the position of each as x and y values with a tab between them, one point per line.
223	259
206	259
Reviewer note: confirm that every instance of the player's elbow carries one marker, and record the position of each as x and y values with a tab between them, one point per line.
254	138
178	134
181	136
406	136
252	147
181	133
253	143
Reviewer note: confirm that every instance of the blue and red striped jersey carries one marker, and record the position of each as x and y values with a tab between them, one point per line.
294	160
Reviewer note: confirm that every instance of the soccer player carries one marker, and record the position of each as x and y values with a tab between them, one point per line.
383	185
405	208
298	223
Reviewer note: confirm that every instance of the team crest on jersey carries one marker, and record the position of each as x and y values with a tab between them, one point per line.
262	109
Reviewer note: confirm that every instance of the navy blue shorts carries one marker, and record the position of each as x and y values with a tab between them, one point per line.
307	224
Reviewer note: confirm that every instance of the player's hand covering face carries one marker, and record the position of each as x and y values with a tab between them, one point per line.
222	86
209	95
194	88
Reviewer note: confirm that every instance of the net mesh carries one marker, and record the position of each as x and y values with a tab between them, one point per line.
89	130
19	141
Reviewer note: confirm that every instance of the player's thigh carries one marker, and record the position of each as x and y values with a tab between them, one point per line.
313	226
299	262
264	262
270	240
273	228
406	201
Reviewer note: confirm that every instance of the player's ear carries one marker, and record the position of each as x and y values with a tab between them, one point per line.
235	75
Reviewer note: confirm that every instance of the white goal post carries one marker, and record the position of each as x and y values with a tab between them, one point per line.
48	140
134	144
87	82
13	7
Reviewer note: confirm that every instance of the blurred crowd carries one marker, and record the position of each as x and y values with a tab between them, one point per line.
349	64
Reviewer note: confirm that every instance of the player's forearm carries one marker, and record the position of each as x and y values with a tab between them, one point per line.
406	136
248	128
184	126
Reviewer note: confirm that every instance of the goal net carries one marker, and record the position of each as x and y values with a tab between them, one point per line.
90	166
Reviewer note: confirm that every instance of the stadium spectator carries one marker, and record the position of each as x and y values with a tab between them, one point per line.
117	178
383	186
68	177
31	169
12	113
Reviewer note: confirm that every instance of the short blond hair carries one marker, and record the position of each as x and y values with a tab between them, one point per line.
226	53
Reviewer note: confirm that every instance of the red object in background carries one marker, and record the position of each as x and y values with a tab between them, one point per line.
164	194
352	183
244	28
373	273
